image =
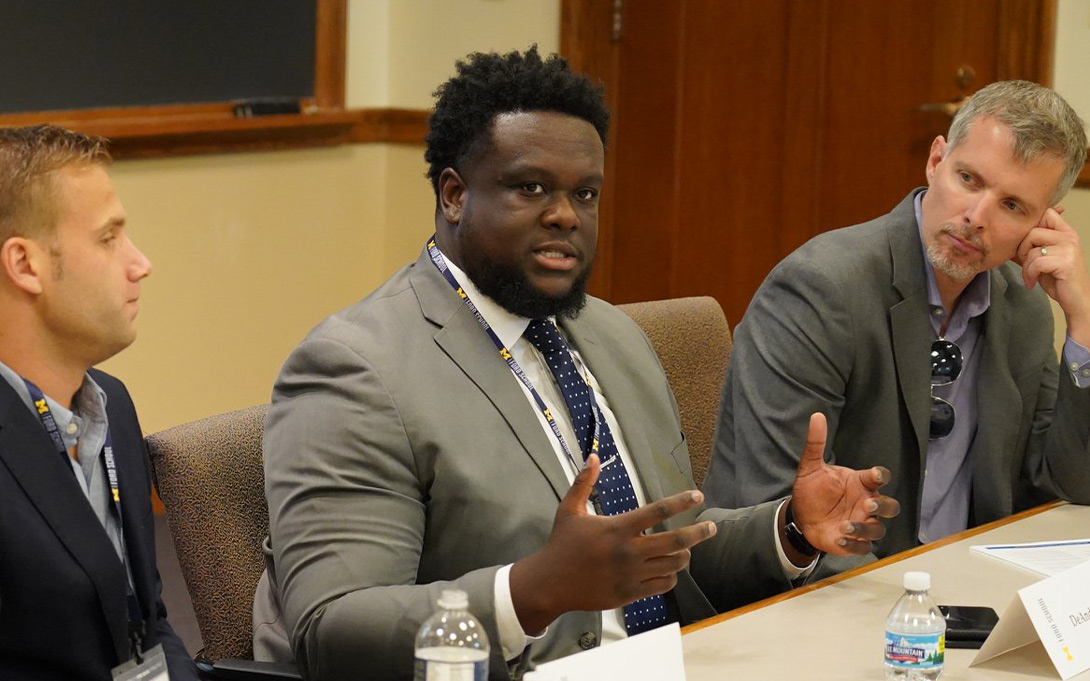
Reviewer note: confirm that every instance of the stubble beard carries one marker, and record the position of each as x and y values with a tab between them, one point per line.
942	260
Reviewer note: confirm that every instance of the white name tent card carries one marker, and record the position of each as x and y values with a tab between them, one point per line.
651	656
1054	612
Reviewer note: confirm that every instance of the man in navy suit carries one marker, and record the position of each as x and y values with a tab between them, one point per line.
79	589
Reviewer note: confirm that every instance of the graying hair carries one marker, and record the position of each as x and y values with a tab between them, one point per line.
1042	123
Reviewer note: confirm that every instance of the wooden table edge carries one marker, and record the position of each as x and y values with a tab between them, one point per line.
889	560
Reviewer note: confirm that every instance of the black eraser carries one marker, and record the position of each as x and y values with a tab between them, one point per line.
267	106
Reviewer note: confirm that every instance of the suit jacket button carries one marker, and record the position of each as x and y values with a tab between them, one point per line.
588	640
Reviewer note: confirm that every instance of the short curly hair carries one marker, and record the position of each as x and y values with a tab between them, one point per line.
490	84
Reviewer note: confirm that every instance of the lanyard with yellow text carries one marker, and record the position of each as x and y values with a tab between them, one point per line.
136	618
441	265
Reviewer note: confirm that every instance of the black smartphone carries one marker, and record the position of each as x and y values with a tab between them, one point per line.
968	625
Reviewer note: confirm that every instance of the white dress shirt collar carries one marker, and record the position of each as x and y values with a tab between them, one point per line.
509	327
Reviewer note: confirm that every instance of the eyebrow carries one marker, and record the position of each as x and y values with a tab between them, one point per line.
520	169
1025	203
111	224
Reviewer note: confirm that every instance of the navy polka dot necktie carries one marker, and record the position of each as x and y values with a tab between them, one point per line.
615	493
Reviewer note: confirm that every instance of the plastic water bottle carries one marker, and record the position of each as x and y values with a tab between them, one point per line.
915	633
451	645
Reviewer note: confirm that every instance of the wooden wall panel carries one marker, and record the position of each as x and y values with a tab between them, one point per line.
587	40
733	114
743	128
645	151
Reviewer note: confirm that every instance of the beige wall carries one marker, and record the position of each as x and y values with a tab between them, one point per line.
251	250
1073	53
1072	59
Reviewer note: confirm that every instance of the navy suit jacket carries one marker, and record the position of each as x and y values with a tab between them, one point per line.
63	610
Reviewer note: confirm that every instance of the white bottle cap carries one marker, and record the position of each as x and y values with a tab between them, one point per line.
917	581
454	599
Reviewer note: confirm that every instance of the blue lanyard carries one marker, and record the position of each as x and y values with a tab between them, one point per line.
136	617
441	264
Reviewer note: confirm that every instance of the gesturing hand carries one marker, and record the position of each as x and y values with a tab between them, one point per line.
595	562
837	508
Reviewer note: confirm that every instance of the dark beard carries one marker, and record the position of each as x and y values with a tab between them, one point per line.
509	287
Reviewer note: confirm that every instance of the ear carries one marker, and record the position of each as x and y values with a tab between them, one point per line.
21	262
452	191
934	158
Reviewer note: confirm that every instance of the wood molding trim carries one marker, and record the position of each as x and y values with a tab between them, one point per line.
393	126
331	38
1084	177
210	129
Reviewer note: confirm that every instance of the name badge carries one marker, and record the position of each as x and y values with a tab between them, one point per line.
153	668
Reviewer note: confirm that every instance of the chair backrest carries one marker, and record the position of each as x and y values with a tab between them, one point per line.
692	339
209	474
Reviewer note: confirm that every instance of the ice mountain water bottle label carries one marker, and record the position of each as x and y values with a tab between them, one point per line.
450	664
915	651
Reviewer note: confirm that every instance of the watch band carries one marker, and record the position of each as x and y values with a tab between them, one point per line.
795	535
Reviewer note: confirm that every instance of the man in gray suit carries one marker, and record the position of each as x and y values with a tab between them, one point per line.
989	424
418	440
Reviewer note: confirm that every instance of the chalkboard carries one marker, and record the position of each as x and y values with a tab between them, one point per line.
77	54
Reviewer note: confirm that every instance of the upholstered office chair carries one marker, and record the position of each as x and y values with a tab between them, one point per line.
693	342
210	477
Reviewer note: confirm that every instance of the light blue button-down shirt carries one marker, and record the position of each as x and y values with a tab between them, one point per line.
83	427
947	483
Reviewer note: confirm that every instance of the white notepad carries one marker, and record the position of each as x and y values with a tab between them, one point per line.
1045	558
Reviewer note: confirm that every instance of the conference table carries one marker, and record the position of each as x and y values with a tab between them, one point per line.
834	629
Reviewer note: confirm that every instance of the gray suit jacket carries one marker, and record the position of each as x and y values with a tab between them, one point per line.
841	326
401	457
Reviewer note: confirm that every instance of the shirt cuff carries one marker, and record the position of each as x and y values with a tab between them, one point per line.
790	570
513	640
1077	360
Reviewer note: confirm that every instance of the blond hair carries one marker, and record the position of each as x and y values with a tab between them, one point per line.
28	157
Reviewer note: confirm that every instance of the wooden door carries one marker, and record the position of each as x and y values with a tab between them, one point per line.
744	127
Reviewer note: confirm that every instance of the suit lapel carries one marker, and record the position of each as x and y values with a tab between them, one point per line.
601	359
461	337
911	330
133	484
28	453
994	424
